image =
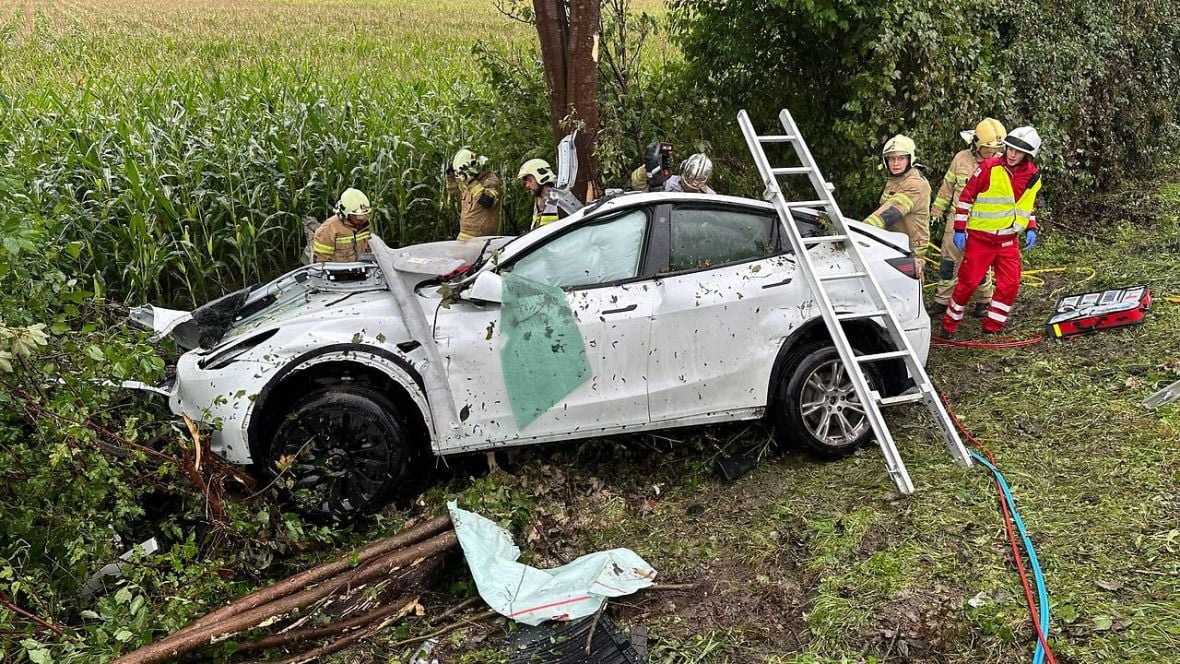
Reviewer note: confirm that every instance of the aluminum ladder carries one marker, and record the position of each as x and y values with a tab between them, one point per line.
880	310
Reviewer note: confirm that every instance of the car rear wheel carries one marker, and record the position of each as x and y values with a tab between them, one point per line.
339	452
817	407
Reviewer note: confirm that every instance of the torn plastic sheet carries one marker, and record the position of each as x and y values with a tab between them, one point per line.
532	596
544	356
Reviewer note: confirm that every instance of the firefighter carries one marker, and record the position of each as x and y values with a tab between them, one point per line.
995	207
986	141
538	177
655	169
478	192
694	176
344	237
905	203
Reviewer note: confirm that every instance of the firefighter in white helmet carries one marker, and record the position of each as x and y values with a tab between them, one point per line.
986	141
996	207
344	237
539	177
479	192
694	176
904	205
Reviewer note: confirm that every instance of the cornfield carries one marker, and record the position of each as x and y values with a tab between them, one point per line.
174	148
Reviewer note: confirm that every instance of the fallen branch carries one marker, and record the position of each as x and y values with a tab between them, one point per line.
188	640
299	636
344	641
407	537
40	622
443	630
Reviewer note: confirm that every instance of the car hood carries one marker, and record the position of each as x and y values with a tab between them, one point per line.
305	290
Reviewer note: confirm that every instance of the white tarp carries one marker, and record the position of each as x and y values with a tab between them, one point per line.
532	596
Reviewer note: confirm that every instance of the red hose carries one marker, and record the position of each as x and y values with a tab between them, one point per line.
1009	343
1034	613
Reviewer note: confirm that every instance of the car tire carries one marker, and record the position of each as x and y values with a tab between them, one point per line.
339	452
814	386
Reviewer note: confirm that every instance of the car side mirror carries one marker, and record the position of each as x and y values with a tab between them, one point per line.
487	287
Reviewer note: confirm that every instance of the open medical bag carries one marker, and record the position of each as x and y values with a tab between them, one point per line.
1087	313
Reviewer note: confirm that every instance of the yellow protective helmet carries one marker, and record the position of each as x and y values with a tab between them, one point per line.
465	162
539	169
899	144
353	202
989	133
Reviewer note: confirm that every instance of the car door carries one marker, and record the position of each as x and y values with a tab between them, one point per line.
726	297
566	351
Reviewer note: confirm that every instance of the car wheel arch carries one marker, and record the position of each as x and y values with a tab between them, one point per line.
866	336
382	370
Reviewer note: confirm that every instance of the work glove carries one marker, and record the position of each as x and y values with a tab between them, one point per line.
961	240
1030	240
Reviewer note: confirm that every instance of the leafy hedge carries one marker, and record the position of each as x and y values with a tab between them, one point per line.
1099	81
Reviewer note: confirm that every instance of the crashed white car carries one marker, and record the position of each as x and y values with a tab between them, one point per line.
640	312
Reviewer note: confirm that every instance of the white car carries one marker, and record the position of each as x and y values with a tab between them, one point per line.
639	312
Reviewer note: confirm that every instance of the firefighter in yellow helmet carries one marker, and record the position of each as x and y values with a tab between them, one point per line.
986	141
905	203
344	237
539	177
479	193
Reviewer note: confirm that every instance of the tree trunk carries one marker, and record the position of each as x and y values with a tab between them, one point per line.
568	31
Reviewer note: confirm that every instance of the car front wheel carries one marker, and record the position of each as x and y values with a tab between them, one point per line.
817	406
339	452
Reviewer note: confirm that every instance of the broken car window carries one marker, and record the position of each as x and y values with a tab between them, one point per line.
589	255
703	238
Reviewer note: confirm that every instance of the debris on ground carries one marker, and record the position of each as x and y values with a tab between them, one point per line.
97	581
1163	397
592	640
531	596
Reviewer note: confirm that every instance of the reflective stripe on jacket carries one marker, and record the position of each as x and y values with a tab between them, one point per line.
990	201
337	242
962	166
905	207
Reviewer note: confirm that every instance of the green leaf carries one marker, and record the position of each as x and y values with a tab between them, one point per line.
1102	623
95	353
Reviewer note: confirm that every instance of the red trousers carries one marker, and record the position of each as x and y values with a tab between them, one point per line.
984	250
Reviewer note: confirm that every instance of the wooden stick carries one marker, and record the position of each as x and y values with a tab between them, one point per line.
344	641
407	537
310	633
31	617
180	643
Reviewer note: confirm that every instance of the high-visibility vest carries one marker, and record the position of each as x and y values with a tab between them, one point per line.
545	215
997	208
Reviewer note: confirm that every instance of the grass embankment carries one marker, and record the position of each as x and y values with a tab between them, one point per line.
804	561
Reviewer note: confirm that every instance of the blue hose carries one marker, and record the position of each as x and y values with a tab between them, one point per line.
1042	594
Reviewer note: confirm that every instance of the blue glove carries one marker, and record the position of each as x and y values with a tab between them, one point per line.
961	240
1030	239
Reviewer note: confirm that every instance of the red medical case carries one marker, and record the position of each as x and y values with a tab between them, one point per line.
1087	313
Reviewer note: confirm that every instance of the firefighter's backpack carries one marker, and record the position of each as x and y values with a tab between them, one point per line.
1087	313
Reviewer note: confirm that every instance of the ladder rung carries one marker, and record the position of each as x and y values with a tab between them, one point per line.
808	241
791	170
807	204
779	138
876	357
901	399
839	277
858	315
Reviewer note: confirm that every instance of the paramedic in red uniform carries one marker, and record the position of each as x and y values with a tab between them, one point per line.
995	208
